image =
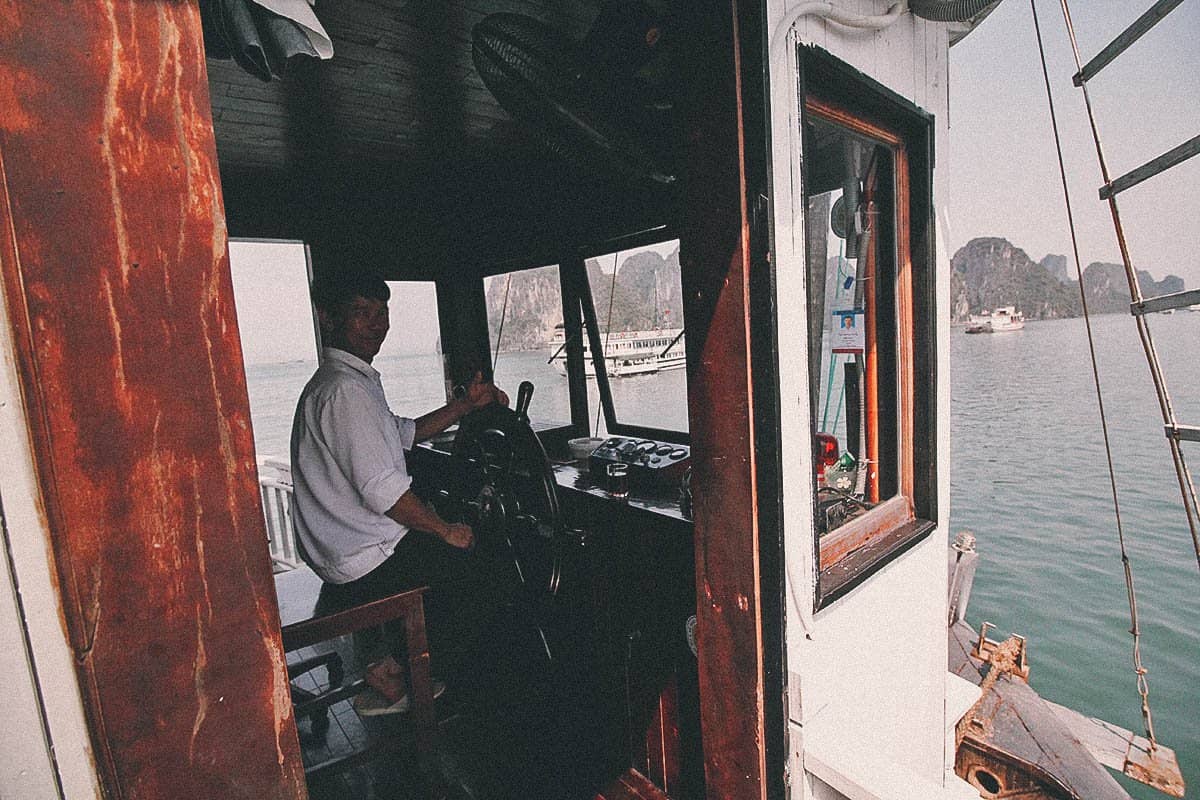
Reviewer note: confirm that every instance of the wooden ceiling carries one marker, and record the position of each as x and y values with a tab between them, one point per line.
401	87
394	154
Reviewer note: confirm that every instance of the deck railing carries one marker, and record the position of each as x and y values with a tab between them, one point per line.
275	486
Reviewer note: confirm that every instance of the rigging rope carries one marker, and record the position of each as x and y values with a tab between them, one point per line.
612	292
1135	629
1186	487
833	357
503	314
837	414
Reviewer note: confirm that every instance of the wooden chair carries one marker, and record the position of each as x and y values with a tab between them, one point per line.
307	617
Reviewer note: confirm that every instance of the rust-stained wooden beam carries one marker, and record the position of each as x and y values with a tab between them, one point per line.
115	270
716	259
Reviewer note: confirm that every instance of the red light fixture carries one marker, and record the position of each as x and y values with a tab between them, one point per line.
825	452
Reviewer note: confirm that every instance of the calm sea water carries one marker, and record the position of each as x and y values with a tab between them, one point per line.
1027	477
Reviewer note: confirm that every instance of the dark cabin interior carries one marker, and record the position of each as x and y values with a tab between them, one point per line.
395	157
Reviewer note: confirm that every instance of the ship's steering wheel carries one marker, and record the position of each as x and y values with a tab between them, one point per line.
517	504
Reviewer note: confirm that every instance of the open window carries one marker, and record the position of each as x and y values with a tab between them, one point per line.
410	361
276	323
635	343
870	325
281	340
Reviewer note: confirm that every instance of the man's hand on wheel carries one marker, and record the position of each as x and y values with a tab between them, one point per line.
481	393
456	534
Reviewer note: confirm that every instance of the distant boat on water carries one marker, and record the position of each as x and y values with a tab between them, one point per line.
627	352
1000	320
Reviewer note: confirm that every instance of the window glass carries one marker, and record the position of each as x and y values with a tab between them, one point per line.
279	343
410	362
856	327
639	310
525	328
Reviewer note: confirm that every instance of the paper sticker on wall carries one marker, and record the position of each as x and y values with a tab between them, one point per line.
849	331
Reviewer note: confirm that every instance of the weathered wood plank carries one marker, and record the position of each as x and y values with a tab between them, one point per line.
715	259
117	280
1107	743
1124	751
1127	37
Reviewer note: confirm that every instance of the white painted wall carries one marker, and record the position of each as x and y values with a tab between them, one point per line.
44	746
869	671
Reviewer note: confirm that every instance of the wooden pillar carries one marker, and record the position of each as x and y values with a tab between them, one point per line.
716	259
114	266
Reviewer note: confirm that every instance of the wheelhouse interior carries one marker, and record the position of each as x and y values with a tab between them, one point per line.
529	160
590	202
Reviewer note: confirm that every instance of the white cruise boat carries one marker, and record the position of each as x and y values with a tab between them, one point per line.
627	352
1001	320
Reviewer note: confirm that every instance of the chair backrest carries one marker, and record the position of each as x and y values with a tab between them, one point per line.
275	486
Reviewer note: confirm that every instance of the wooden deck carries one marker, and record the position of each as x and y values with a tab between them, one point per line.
390	778
392	775
483	755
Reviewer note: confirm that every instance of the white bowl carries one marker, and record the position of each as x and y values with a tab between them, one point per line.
582	448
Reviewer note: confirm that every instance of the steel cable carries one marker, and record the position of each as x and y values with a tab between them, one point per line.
1135	628
1186	487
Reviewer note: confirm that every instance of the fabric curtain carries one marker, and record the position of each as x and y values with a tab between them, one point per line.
262	35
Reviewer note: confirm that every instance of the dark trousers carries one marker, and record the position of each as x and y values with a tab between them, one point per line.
460	607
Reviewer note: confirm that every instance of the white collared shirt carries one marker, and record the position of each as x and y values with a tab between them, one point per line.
348	469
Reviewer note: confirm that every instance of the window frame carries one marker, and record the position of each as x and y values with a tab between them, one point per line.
658	235
576	390
579	306
308	274
836	93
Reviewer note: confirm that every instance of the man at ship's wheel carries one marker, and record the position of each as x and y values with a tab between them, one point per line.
358	523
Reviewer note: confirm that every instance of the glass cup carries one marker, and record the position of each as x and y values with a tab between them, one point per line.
618	480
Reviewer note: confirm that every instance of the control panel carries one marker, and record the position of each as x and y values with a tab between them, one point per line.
650	462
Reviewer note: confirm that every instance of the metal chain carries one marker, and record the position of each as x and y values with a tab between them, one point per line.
1134	627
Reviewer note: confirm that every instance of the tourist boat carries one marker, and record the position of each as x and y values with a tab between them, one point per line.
732	627
1003	319
627	352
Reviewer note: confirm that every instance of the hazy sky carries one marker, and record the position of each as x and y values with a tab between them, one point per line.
270	288
999	173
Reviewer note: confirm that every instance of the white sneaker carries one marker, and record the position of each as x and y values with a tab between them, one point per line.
372	703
